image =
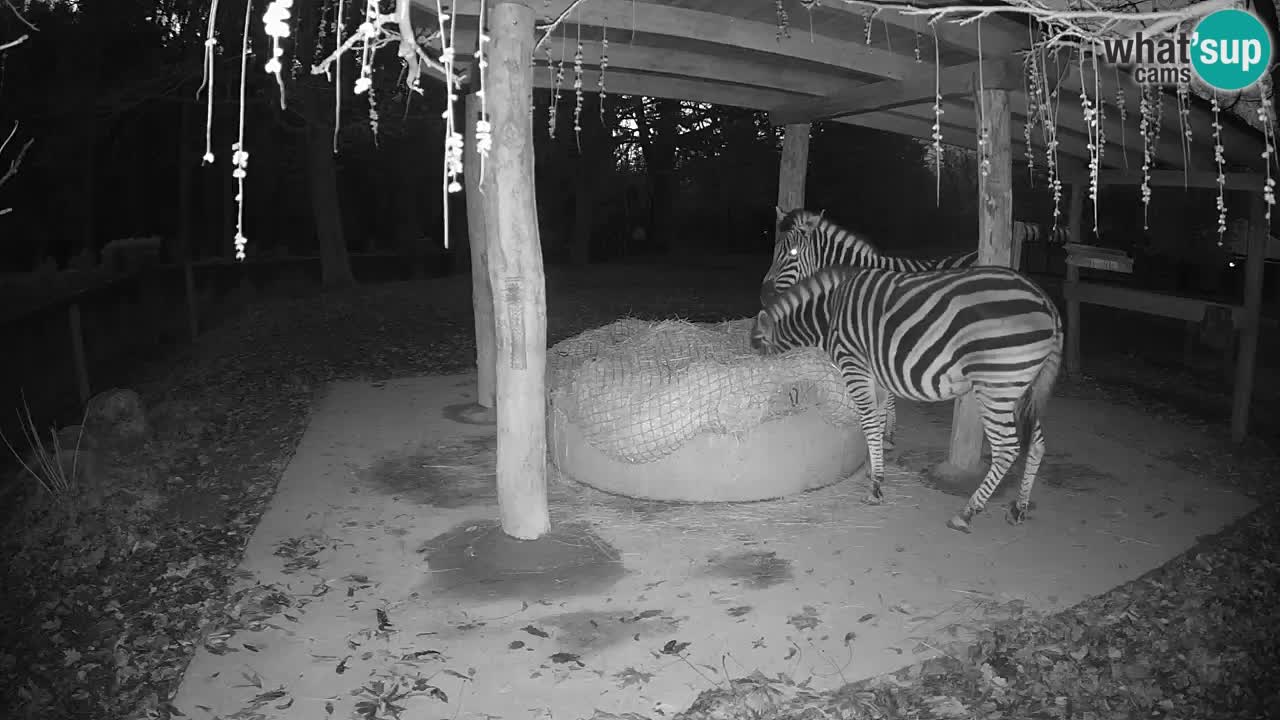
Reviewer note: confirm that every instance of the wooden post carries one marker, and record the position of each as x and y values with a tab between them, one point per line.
193	307
793	167
1075	221
478	238
995	247
516	275
77	352
1246	358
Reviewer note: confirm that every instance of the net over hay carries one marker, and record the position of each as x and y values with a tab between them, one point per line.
682	411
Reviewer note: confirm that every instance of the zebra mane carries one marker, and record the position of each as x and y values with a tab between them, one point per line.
834	232
820	283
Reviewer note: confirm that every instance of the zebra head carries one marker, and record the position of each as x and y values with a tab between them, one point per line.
795	253
797	316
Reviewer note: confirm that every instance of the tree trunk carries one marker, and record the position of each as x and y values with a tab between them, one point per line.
517	278
591	164
657	130
326	209
478	244
187	160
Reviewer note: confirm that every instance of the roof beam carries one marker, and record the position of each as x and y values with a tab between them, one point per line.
683	63
677	88
622	17
922	86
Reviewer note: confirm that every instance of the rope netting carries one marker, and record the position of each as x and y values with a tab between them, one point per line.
638	390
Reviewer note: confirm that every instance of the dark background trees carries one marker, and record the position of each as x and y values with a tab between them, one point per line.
108	91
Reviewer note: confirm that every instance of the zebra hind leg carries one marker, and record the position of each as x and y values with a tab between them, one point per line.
1002	436
1035	455
890	420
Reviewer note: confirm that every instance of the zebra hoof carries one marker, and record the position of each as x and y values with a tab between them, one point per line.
1015	514
873	499
958	523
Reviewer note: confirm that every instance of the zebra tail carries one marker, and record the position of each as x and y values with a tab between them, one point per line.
1036	397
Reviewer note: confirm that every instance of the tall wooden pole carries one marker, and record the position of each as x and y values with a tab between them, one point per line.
793	167
1246	359
1075	226
516	275
478	239
995	247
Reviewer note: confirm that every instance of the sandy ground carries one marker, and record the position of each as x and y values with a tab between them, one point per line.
389	581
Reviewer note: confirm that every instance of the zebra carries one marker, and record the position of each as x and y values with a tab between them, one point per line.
932	336
808	242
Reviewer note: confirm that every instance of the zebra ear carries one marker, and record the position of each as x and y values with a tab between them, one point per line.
780	213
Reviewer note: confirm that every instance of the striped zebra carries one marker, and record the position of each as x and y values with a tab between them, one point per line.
808	242
932	336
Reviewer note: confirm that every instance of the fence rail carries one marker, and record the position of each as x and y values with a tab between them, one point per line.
61	347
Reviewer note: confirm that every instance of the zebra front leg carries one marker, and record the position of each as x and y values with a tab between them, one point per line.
1035	455
863	393
1001	432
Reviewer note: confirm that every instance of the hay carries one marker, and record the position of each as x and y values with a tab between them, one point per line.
639	390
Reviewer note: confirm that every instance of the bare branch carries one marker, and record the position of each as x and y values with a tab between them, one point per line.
18	15
14	43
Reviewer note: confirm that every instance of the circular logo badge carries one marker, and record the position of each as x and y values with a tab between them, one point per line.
1231	49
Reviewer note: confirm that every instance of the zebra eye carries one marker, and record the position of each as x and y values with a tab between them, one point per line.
793	252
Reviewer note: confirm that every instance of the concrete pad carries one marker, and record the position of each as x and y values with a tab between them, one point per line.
396	573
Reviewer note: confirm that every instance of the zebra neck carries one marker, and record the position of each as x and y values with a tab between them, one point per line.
857	253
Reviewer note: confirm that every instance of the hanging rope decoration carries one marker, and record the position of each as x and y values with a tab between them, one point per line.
555	88
275	21
373	116
867	21
1219	159
1144	130
1091	131
984	132
1124	118
210	42
1183	96
368	35
577	91
937	121
339	24
784	29
1049	127
452	138
808	5
1100	110
1269	135
916	31
1030	82
484	130
240	156
604	65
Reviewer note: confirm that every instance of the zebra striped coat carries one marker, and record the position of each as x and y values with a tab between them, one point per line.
808	242
932	336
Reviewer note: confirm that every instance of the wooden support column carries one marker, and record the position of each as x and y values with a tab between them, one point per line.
793	167
1259	230
516	275
995	247
478	239
1075	227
